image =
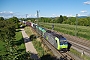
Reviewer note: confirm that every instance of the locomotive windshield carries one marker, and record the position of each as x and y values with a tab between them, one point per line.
63	41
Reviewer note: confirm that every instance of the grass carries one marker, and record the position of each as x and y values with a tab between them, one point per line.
38	47
82	31
2	48
28	31
19	41
75	52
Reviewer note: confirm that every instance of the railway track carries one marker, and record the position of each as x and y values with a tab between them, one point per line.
58	54
80	46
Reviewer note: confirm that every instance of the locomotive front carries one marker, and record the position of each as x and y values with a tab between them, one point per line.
63	44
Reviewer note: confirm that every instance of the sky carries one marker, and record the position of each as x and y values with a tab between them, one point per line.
46	8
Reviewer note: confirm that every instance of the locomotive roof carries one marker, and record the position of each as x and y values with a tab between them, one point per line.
55	34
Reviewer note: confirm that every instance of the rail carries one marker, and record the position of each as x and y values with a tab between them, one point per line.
58	54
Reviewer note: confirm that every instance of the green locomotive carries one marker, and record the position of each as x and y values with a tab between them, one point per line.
57	40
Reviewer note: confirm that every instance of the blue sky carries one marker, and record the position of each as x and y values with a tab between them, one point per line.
47	8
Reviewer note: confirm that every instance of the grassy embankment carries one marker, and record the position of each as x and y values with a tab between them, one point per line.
82	31
19	42
37	42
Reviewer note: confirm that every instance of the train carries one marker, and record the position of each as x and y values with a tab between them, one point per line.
57	40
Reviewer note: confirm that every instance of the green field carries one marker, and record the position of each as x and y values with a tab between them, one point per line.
82	31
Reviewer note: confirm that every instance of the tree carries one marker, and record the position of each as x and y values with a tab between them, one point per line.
56	19
88	18
7	34
7	29
24	56
15	20
83	21
70	20
44	19
60	20
65	18
1	18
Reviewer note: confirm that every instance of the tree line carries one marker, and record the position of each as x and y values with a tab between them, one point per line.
82	21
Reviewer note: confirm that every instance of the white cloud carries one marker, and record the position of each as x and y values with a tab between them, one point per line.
70	15
87	2
81	15
35	15
83	11
7	14
53	14
29	15
11	12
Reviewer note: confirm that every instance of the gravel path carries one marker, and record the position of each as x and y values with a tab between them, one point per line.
29	46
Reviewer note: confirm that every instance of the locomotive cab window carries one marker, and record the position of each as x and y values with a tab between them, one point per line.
63	41
56	41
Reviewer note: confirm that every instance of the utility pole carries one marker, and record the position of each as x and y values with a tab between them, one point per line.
52	24
76	24
37	17
26	16
37	14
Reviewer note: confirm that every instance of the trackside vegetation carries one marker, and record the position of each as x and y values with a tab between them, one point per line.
36	43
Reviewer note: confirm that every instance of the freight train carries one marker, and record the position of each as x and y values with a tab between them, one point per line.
57	40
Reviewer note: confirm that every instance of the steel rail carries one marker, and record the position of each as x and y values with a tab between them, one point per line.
58	54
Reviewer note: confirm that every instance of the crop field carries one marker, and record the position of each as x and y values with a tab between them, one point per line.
82	31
